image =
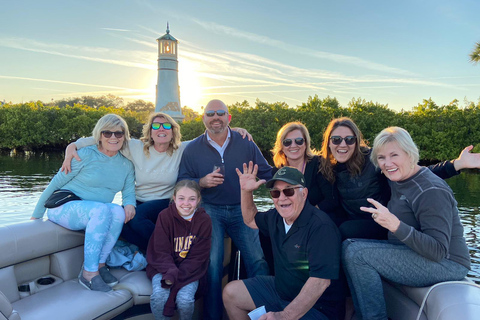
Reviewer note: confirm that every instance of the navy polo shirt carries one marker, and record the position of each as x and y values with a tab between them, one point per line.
311	248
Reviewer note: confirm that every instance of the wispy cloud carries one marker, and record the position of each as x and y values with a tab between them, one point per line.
114	29
236	74
260	71
339	58
67	82
89	53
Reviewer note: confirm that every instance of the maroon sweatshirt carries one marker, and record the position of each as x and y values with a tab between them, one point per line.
179	250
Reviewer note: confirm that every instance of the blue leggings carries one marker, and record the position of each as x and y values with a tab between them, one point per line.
102	223
185	299
367	262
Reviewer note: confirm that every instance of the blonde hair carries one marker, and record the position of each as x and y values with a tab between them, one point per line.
147	133
399	136
355	163
110	122
279	158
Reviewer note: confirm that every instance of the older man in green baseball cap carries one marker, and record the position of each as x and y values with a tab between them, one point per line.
306	251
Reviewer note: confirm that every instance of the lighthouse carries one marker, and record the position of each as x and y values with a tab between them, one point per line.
168	90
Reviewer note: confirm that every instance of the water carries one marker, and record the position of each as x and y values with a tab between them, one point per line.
24	176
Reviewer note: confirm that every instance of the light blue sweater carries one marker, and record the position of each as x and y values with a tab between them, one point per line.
97	177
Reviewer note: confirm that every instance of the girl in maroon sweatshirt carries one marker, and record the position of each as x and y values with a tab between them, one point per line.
178	253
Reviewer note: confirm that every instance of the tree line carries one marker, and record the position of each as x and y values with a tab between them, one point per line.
440	132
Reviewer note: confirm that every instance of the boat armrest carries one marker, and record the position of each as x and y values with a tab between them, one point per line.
6	308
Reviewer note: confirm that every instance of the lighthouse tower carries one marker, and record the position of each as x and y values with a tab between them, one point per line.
168	91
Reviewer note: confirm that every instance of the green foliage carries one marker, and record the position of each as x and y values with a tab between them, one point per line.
189	114
475	54
33	126
440	132
191	129
140	106
94	102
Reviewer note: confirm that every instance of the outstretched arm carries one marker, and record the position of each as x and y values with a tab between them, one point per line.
248	183
467	160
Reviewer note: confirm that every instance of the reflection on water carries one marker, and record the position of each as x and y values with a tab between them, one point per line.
23	177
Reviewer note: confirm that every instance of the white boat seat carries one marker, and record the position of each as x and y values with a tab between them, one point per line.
445	301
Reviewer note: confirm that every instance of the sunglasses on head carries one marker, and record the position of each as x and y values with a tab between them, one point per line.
288	142
118	134
288	192
158	125
219	113
349	140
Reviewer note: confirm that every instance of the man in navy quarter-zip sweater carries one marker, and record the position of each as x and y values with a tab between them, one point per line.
226	150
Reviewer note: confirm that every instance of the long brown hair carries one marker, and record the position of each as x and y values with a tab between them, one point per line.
355	163
147	133
279	158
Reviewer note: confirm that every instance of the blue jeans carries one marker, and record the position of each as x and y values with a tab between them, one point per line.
185	300
229	219
366	262
139	230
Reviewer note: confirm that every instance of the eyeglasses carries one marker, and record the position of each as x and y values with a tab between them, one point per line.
288	192
211	113
118	134
349	140
158	125
288	142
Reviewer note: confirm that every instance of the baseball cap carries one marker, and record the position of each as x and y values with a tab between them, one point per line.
289	175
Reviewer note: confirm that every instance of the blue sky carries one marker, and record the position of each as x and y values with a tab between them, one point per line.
396	53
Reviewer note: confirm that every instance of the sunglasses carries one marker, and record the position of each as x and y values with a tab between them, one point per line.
158	125
288	192
118	134
288	142
219	113
349	140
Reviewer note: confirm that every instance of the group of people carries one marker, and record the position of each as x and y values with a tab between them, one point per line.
180	198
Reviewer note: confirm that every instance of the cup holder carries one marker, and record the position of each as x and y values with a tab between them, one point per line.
24	288
45	281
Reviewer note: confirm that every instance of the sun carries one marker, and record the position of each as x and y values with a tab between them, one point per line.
190	85
189	82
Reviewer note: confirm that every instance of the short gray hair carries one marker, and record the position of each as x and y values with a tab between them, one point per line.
401	137
110	122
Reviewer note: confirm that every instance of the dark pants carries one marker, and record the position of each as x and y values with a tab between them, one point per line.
139	230
362	229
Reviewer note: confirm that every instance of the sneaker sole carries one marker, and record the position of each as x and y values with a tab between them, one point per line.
113	284
83	284
87	287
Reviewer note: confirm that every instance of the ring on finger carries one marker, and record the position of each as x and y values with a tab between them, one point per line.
374	215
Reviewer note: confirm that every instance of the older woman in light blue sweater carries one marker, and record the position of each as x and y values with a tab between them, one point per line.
96	179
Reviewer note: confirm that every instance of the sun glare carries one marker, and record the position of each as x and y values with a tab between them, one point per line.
189	82
190	85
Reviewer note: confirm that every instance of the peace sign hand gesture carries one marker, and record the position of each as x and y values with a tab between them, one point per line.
382	215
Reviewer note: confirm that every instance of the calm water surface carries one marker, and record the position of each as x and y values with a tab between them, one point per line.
24	176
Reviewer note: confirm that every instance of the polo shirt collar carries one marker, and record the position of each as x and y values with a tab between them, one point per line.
302	220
